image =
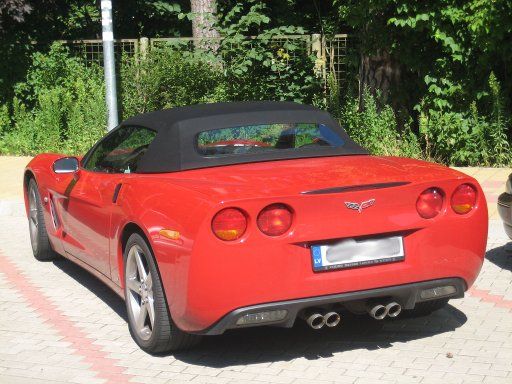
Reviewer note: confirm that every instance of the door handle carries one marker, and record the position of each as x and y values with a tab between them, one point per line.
116	192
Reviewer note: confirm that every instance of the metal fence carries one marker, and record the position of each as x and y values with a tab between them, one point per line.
91	51
330	52
335	51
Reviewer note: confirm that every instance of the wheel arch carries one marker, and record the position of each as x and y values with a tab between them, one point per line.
129	229
27	176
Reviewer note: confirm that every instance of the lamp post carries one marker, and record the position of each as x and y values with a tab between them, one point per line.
109	62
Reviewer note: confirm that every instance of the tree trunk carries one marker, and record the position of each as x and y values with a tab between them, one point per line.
379	72
203	23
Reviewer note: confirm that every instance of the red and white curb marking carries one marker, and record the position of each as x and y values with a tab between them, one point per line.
487	297
83	345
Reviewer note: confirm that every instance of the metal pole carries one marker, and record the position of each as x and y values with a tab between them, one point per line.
109	62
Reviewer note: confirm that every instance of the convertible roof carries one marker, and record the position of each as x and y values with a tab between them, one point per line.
174	147
167	118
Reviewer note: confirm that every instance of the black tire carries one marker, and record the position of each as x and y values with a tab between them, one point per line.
41	246
165	335
425	308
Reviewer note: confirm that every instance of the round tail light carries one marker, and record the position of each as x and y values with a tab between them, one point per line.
463	199
275	220
229	224
430	203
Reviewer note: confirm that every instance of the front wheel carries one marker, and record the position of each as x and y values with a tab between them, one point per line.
41	247
150	323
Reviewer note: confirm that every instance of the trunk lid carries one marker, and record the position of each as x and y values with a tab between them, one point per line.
311	176
332	197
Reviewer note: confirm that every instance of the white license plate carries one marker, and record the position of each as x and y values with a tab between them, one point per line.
349	253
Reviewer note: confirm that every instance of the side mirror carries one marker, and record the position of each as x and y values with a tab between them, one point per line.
66	165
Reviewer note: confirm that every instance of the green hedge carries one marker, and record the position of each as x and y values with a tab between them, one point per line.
61	105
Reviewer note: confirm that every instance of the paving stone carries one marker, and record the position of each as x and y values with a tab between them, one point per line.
475	331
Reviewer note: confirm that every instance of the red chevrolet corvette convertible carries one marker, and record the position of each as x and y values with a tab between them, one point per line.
222	216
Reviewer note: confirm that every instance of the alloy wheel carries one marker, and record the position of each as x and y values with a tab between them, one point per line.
139	292
33	220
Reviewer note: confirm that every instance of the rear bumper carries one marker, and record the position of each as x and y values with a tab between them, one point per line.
505	211
407	295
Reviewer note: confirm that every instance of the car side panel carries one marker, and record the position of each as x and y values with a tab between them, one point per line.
83	241
86	211
50	186
152	204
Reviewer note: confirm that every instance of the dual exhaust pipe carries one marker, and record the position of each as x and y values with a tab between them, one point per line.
380	311
317	320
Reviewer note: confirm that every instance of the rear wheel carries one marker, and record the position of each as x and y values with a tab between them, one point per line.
150	323
41	246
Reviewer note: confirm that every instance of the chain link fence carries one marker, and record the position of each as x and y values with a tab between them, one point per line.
330	52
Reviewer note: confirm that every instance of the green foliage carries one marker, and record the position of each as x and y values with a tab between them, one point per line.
52	69
86	115
18	140
169	77
5	118
237	68
469	138
80	14
265	68
377	129
453	58
447	48
59	108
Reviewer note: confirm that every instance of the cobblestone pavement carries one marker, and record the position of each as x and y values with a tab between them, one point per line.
59	324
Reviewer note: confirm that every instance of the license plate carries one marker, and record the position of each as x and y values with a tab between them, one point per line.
349	253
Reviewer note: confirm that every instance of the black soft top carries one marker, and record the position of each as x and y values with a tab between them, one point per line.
174	147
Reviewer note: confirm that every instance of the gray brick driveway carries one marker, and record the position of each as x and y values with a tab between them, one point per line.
59	324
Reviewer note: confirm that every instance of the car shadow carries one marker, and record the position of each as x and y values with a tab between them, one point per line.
501	256
97	287
271	344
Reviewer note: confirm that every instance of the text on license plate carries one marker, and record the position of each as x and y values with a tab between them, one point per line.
349	253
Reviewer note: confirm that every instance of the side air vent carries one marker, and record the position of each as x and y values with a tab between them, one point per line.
55	219
351	188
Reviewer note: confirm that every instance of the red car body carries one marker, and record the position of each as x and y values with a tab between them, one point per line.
206	279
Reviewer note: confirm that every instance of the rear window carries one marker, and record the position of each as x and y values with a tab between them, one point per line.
249	139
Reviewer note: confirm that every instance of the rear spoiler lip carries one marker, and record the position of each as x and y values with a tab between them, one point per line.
351	188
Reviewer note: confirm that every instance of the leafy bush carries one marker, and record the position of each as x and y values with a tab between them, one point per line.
377	129
469	138
5	122
59	108
265	68
86	115
168	77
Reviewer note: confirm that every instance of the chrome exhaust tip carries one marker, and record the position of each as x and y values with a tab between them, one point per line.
378	311
332	319
315	320
394	309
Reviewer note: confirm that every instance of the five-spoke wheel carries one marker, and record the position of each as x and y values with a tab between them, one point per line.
33	222
149	320
139	293
38	236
